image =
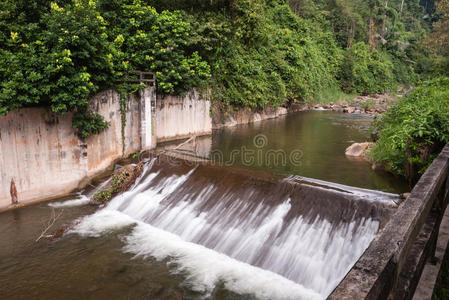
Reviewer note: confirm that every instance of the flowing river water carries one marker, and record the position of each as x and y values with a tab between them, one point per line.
196	232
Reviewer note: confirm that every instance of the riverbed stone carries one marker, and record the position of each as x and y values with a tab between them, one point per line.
358	149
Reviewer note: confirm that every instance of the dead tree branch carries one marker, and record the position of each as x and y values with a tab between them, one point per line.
50	223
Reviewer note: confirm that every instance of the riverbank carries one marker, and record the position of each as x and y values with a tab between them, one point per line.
367	104
372	104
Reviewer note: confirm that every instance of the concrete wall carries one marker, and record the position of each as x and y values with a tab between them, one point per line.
232	117
40	151
177	117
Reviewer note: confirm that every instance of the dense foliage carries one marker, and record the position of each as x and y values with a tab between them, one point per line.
261	53
246	52
415	129
264	52
365	70
59	54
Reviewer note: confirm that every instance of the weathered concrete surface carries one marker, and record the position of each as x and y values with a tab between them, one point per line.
376	274
178	117
232	117
108	146
40	151
432	269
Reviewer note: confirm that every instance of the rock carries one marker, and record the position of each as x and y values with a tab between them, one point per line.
375	134
257	117
358	149
281	111
377	167
357	111
351	110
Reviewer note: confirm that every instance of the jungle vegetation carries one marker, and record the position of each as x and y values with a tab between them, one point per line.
247	53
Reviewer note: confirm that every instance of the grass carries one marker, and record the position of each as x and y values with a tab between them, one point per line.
331	94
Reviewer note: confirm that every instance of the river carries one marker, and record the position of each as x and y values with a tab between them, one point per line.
199	232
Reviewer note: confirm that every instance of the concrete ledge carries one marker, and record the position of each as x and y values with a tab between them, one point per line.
376	274
432	269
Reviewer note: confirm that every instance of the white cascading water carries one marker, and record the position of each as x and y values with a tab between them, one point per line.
251	247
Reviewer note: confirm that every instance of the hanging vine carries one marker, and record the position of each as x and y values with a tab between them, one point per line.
125	90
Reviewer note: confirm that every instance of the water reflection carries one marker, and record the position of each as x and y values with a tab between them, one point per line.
310	144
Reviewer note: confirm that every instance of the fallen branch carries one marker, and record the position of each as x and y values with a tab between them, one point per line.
177	147
50	223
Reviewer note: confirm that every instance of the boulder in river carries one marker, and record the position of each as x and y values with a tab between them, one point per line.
358	149
350	109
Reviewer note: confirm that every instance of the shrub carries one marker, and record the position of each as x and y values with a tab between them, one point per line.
365	70
60	55
262	54
414	131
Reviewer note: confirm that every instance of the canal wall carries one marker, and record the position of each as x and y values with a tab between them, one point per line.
178	117
42	157
231	116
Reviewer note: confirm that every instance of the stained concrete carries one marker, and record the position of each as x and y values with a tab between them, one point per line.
178	117
432	269
232	117
41	152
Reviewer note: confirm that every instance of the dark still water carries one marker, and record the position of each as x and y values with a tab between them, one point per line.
310	144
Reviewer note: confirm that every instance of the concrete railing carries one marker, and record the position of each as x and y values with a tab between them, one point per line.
391	266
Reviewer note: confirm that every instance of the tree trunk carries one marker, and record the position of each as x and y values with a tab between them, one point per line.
371	33
351	34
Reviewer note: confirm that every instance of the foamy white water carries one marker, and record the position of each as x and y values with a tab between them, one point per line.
205	267
235	237
80	200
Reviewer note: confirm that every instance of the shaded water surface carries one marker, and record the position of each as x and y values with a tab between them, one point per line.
320	136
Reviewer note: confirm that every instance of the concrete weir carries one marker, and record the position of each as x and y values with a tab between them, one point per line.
392	265
299	234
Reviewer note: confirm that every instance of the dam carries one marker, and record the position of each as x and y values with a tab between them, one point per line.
205	229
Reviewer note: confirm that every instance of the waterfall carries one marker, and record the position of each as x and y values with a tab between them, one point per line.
257	235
